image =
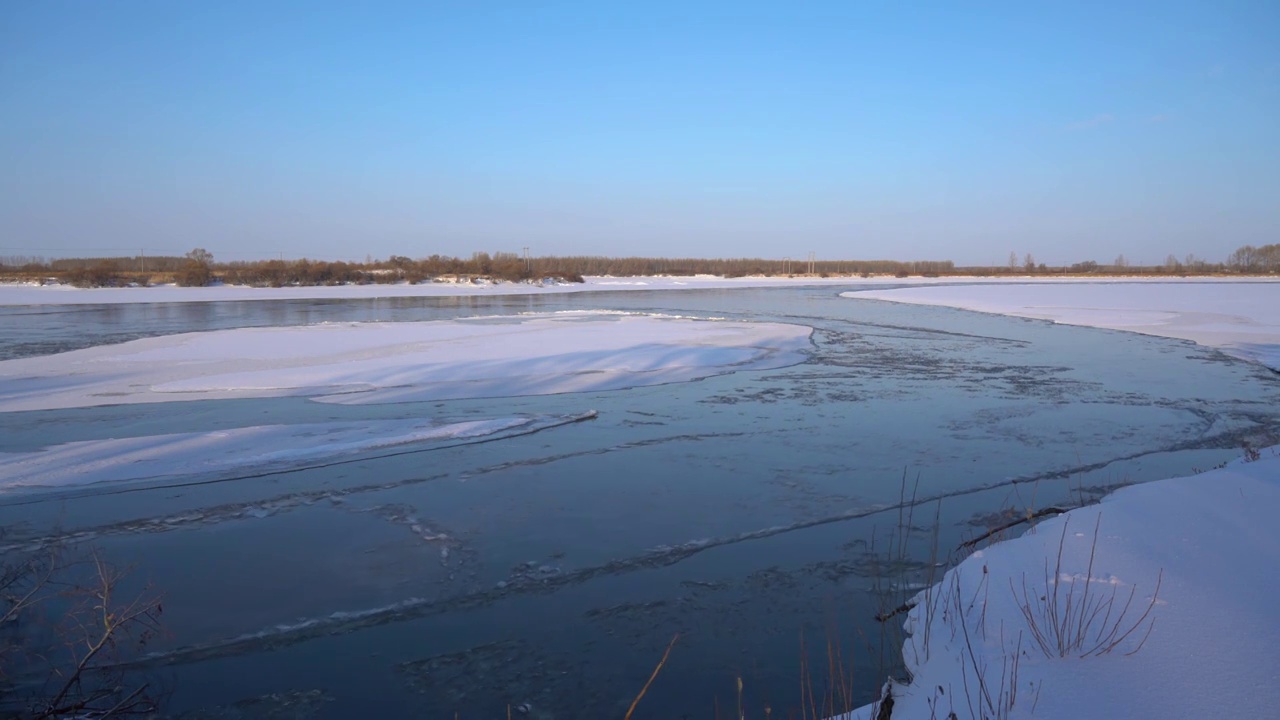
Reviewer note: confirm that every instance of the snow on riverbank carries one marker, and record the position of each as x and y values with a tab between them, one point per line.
237	449
1240	318
1203	645
355	363
31	294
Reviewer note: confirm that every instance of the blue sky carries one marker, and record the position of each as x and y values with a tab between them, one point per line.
960	131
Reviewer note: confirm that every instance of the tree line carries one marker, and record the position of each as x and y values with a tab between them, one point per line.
1250	259
198	268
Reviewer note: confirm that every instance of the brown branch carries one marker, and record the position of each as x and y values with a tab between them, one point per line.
1045	512
139	612
127	704
37	584
904	607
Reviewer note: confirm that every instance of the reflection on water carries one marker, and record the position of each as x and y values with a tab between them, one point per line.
750	513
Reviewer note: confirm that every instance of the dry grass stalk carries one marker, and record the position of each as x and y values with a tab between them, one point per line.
657	670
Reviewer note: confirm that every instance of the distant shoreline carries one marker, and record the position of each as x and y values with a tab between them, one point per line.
16	293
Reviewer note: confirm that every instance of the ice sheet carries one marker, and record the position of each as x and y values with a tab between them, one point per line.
218	452
391	362
1211	544
1241	318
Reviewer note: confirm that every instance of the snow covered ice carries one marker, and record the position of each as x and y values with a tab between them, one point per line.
214	452
358	363
1241	318
400	362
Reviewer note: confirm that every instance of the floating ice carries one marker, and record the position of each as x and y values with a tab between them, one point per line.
222	451
397	362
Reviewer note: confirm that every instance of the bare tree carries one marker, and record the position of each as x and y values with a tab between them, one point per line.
1252	259
198	270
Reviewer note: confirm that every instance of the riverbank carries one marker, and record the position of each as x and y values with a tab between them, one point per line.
60	294
1157	602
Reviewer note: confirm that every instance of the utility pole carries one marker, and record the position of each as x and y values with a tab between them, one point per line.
528	267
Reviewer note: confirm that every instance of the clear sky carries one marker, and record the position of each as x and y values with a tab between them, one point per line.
904	130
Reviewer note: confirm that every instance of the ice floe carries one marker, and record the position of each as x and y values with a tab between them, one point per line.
218	452
354	363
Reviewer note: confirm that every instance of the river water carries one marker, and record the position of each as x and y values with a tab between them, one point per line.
764	517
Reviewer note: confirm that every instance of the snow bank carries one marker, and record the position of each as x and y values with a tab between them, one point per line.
1210	543
223	451
1240	318
30	294
399	362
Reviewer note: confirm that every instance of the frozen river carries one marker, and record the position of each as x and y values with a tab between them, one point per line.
753	512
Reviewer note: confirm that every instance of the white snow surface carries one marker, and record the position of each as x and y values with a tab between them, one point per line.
1209	541
259	447
1240	318
356	363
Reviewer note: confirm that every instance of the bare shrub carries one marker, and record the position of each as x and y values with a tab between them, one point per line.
105	273
1067	620
63	635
